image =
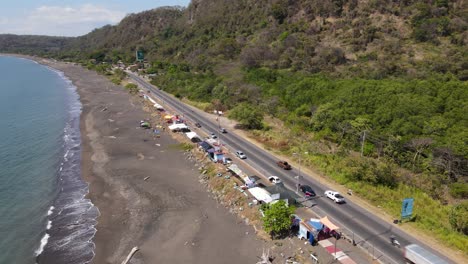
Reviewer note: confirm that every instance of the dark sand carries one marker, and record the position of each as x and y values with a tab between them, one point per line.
170	216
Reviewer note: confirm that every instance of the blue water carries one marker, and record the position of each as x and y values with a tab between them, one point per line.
41	191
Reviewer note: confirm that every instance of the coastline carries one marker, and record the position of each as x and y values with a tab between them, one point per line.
170	217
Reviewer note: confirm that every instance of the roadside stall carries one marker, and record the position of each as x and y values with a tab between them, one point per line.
193	137
262	195
168	118
179	128
310	229
329	229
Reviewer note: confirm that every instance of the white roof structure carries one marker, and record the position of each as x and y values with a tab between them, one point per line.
191	135
158	106
178	126
261	194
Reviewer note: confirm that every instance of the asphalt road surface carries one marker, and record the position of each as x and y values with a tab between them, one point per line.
367	229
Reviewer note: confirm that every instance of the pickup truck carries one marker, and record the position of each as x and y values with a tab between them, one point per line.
283	164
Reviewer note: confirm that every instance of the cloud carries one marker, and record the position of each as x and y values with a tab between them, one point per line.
62	21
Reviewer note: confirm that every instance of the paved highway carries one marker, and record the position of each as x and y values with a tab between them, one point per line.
369	231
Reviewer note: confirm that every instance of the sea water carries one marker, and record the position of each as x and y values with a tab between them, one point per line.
44	215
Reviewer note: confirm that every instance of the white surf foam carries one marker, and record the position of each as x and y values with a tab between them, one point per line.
51	210
44	240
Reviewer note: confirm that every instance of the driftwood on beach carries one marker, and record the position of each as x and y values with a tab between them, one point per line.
130	255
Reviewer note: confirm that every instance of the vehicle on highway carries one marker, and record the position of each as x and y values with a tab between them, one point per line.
240	155
222	130
274	179
335	196
213	135
197	125
307	190
283	164
417	254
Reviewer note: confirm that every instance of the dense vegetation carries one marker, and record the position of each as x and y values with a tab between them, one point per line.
374	91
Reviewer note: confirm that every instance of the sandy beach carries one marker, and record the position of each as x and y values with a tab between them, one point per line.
169	216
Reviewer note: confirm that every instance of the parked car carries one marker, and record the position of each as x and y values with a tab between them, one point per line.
335	196
213	135
274	179
307	190
240	155
283	164
197	125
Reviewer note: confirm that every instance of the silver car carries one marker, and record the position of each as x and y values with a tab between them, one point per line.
240	155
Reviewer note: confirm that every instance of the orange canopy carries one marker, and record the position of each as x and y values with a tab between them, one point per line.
328	224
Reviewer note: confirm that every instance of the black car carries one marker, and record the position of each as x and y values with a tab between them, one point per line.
197	124
307	190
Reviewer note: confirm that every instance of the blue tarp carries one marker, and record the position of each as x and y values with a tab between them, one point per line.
315	224
205	145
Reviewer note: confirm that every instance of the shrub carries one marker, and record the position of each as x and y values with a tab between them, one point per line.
459	190
132	88
459	217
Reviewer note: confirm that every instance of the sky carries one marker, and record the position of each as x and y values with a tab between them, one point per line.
69	18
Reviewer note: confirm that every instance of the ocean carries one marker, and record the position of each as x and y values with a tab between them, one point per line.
44	214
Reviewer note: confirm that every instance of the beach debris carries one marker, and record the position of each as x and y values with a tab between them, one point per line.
146	178
130	255
265	258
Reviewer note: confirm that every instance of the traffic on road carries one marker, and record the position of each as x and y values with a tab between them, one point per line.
365	227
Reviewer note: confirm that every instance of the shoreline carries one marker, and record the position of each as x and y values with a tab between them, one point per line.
171	219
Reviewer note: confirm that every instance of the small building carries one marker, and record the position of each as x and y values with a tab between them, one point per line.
179	128
309	230
263	195
193	137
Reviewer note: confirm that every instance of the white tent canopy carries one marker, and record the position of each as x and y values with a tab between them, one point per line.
158	106
191	135
178	127
261	194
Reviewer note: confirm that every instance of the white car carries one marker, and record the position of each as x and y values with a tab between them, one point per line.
240	154
274	179
335	196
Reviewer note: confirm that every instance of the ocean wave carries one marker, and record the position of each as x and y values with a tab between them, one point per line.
51	210
73	217
44	240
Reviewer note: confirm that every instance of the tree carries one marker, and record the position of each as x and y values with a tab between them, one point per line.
419	145
277	217
247	115
459	217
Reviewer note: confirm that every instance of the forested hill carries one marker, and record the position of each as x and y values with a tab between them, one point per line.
384	79
370	39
